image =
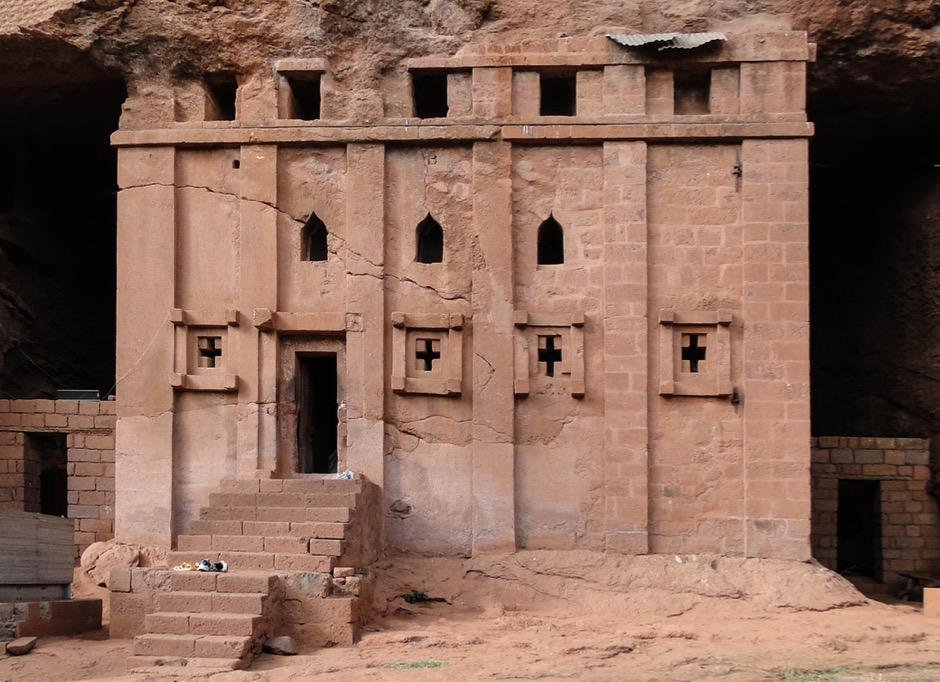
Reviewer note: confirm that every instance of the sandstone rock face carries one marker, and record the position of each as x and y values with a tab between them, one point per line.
875	217
101	557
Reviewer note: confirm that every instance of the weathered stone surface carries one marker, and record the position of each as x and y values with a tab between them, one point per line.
21	646
282	646
101	557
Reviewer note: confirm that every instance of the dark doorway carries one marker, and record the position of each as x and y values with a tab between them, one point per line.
859	528
316	413
50	451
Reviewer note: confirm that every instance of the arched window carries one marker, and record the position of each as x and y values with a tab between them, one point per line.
551	247
429	238
313	239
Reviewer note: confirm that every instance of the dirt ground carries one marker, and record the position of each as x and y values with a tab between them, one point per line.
575	615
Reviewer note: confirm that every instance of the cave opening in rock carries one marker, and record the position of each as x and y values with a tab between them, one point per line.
874	259
57	226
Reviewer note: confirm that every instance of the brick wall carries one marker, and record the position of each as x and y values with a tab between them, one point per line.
89	430
910	519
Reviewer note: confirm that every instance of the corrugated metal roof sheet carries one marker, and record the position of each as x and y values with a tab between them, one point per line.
21	13
667	41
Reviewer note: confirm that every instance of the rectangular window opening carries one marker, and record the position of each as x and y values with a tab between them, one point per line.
303	96
317	405
430	94
692	91
221	93
558	94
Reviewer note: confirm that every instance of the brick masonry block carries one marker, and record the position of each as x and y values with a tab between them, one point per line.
237	543
288	545
329	531
205	527
239	486
304	562
167	623
165	645
237	603
120	579
326	547
328	514
223	624
245	583
184	602
268	528
193	581
255	561
211	646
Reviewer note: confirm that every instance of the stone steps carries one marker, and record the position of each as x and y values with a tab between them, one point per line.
172	665
263	529
193	646
260	561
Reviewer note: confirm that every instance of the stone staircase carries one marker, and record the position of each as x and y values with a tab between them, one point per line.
265	530
209	621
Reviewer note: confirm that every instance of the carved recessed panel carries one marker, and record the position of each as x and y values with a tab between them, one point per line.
203	359
427	353
550	347
695	352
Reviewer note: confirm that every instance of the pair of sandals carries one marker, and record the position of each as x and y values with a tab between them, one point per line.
204	566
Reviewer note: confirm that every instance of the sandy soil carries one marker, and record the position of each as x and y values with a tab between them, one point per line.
538	615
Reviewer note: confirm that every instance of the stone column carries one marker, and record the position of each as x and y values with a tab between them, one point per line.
257	288
625	348
493	399
776	349
365	303
146	273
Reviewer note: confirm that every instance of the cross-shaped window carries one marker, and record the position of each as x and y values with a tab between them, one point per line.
210	349
692	352
426	352
549	354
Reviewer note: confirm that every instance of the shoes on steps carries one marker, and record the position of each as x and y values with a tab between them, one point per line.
212	566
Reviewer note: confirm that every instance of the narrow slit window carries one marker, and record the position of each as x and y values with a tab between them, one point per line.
558	95
221	92
313	240
430	241
430	94
692	91
551	243
303	96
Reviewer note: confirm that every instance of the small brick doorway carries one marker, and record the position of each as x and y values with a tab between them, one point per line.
859	528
